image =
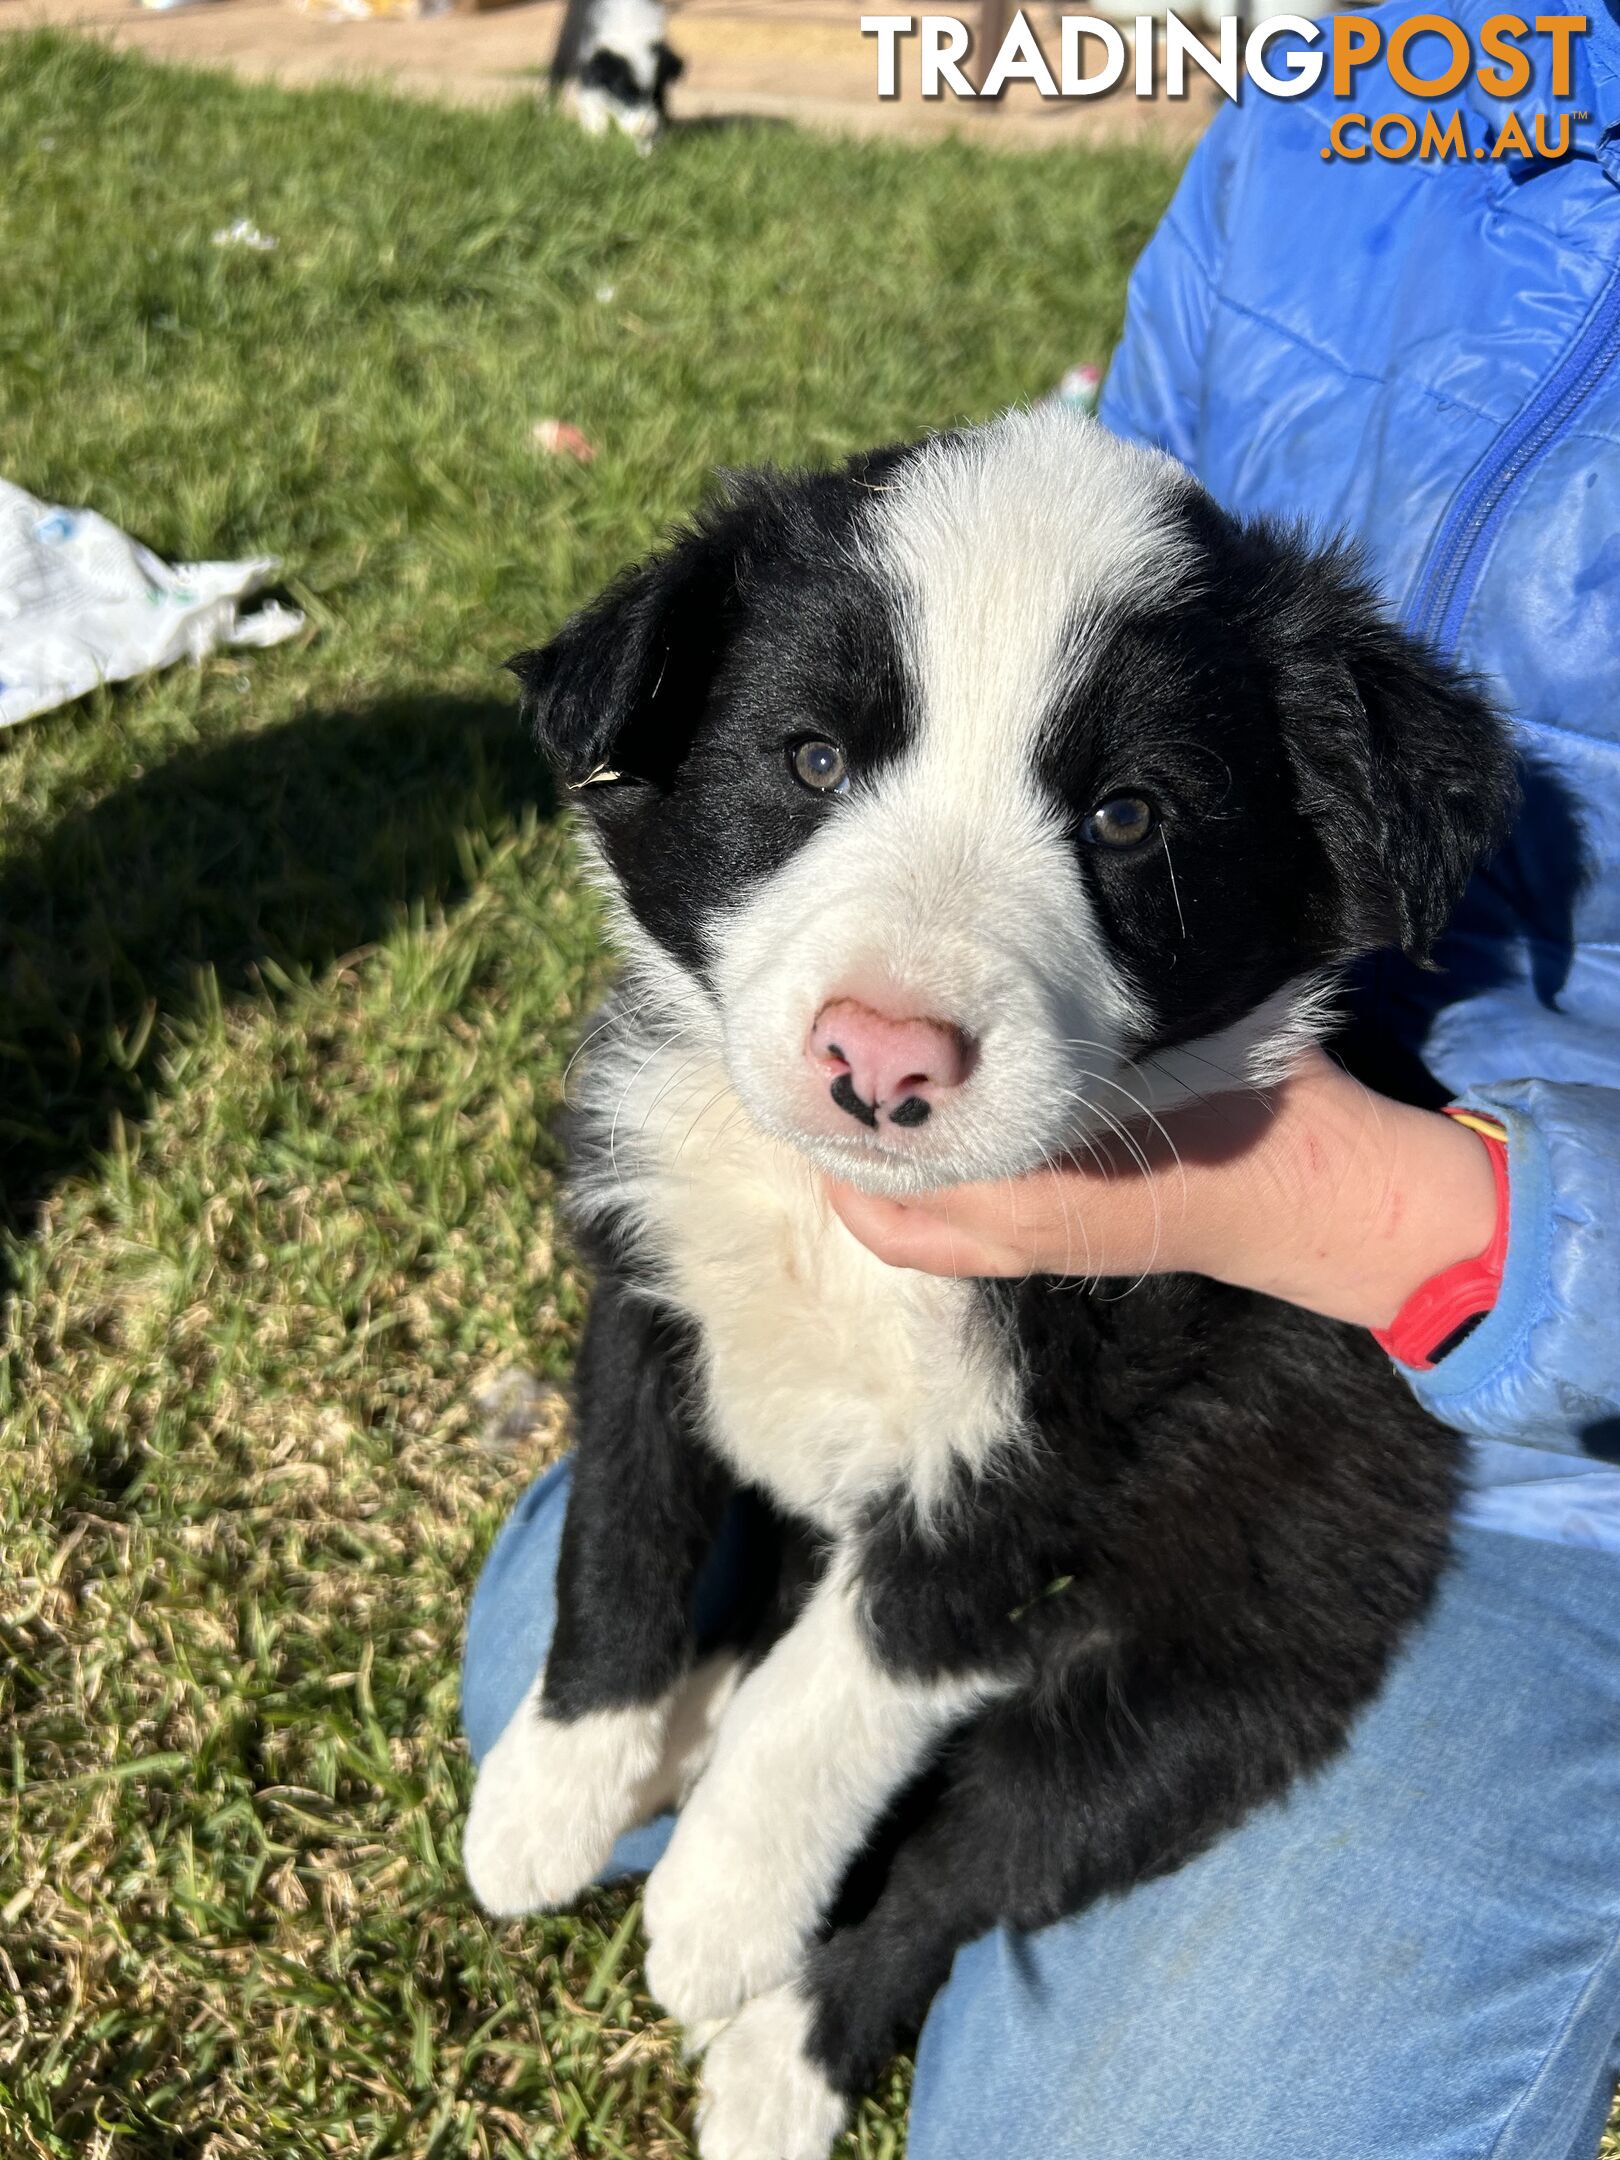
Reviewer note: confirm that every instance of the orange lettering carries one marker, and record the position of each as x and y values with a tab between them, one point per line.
1405	128
1563	30
1511	140
1416	26
1340	140
1449	141
1357	39
1513	78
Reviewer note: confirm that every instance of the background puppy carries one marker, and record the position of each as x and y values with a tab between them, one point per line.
954	810
613	66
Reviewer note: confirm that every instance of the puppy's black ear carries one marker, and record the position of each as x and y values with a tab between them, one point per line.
620	689
1403	765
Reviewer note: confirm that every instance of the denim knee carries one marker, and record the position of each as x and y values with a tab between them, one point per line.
513	1612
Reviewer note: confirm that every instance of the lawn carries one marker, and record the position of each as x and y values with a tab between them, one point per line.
293	960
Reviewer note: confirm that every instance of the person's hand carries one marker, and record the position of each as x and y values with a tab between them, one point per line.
1319	1192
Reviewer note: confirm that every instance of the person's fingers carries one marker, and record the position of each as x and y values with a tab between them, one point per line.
1154	1206
926	1236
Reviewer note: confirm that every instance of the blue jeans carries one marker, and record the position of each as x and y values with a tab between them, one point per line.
1415	1956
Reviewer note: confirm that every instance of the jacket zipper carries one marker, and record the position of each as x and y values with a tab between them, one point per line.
1456	555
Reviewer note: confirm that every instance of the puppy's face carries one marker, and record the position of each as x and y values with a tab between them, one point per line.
981	794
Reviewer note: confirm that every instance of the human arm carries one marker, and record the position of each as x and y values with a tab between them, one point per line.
1342	1201
1321	1193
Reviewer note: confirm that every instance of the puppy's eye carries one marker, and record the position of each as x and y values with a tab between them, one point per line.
1120	822
819	766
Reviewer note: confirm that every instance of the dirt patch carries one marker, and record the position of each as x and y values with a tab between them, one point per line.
806	64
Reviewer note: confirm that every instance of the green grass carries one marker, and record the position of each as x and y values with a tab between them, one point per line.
293	958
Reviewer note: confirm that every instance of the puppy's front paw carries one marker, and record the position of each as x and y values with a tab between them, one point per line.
763	2096
719	1930
550	1801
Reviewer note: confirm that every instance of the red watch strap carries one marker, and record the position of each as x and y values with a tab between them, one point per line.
1421	1331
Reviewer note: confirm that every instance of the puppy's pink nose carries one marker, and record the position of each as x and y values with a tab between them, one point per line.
877	1066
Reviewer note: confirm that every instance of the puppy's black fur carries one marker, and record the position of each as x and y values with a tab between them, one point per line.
1226	1514
633	81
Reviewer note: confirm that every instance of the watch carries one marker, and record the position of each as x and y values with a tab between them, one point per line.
1449	1306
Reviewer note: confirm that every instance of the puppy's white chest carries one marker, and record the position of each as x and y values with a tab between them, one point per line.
829	1377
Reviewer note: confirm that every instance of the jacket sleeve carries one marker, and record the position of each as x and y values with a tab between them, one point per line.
1543	1367
1153	394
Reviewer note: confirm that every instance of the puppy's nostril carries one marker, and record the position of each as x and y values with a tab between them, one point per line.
880	1070
843	1094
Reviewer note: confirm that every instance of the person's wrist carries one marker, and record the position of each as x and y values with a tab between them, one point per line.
1442	1209
1352	1202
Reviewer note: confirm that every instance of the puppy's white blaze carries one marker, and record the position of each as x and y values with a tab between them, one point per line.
763	2097
908	900
946	884
1004	539
816	1743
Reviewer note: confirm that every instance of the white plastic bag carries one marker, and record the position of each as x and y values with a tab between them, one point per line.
81	604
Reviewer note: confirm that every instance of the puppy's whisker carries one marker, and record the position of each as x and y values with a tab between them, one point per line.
1049	1162
1175	889
1153	1191
618	1016
613	1130
1141	1158
1240	1083
1158	1125
687	1064
725	1125
1122	1132
724	1089
1141	1109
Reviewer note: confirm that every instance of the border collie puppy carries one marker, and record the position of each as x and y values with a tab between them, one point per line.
955	809
612	66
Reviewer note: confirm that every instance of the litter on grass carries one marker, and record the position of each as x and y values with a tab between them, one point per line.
560	438
82	604
244	233
1079	391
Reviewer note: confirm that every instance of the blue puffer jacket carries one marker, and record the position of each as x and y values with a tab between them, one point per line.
1427	356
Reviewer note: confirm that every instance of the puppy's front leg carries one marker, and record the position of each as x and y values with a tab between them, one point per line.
815	1744
580	1761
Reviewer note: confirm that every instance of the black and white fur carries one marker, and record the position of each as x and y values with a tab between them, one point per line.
613	67
1054	1586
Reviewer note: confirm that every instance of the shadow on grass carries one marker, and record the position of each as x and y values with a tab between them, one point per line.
281	850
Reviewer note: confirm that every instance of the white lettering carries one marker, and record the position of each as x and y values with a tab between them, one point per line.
944	43
1182	45
1020	60
1303	67
1144	55
1077	84
888	30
